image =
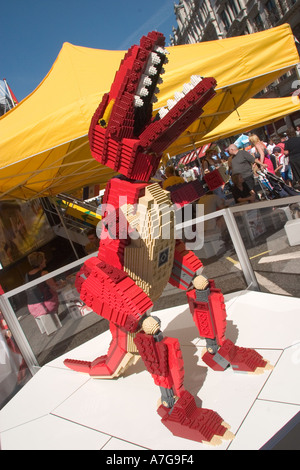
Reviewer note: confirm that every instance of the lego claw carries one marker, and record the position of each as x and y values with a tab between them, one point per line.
261	370
217	440
228	436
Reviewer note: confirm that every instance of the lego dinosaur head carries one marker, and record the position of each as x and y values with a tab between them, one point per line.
123	134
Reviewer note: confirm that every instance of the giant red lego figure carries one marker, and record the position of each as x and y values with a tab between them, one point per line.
138	254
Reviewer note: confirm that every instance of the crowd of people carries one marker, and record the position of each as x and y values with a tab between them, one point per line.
280	157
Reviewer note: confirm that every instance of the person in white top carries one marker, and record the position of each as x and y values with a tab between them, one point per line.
270	146
196	170
188	174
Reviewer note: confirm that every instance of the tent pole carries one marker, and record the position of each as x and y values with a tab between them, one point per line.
9	93
66	230
197	155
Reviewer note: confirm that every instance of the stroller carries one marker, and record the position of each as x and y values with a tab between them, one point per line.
273	187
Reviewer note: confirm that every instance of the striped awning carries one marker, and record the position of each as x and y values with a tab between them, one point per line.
191	156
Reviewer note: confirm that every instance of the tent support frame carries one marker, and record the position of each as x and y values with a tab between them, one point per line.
66	230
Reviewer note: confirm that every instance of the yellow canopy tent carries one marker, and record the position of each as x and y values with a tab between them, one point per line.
43	141
256	112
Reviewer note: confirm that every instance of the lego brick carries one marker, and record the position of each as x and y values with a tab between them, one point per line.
163	360
149	260
185	193
108	364
210	316
202	316
176	365
98	113
215	361
241	359
218	308
188	421
137	251
154	355
141	162
121	301
183	114
185	266
214	179
121	354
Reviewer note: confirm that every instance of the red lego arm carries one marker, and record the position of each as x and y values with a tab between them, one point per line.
186	265
186	193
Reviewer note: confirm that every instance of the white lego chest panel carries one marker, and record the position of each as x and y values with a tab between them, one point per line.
149	257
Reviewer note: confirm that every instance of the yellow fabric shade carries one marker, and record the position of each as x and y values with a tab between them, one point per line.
43	141
256	112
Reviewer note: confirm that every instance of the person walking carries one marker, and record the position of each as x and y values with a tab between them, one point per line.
281	142
261	153
292	150
240	162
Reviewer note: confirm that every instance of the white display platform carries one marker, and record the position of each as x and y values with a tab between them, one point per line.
62	409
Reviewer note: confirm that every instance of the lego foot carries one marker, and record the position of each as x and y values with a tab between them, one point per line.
198	424
240	359
100	369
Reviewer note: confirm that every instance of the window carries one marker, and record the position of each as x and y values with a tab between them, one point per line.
272	10
283	7
258	23
233	7
224	18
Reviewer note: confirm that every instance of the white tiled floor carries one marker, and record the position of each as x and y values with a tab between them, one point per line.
61	409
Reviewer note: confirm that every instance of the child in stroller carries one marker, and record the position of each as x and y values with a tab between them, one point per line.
272	186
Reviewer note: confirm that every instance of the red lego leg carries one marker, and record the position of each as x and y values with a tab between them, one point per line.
209	313
120	355
163	360
198	424
178	410
208	310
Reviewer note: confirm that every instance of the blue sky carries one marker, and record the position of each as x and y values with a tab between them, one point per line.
32	32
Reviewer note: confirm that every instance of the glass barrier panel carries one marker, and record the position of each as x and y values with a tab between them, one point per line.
209	239
271	235
14	373
53	318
